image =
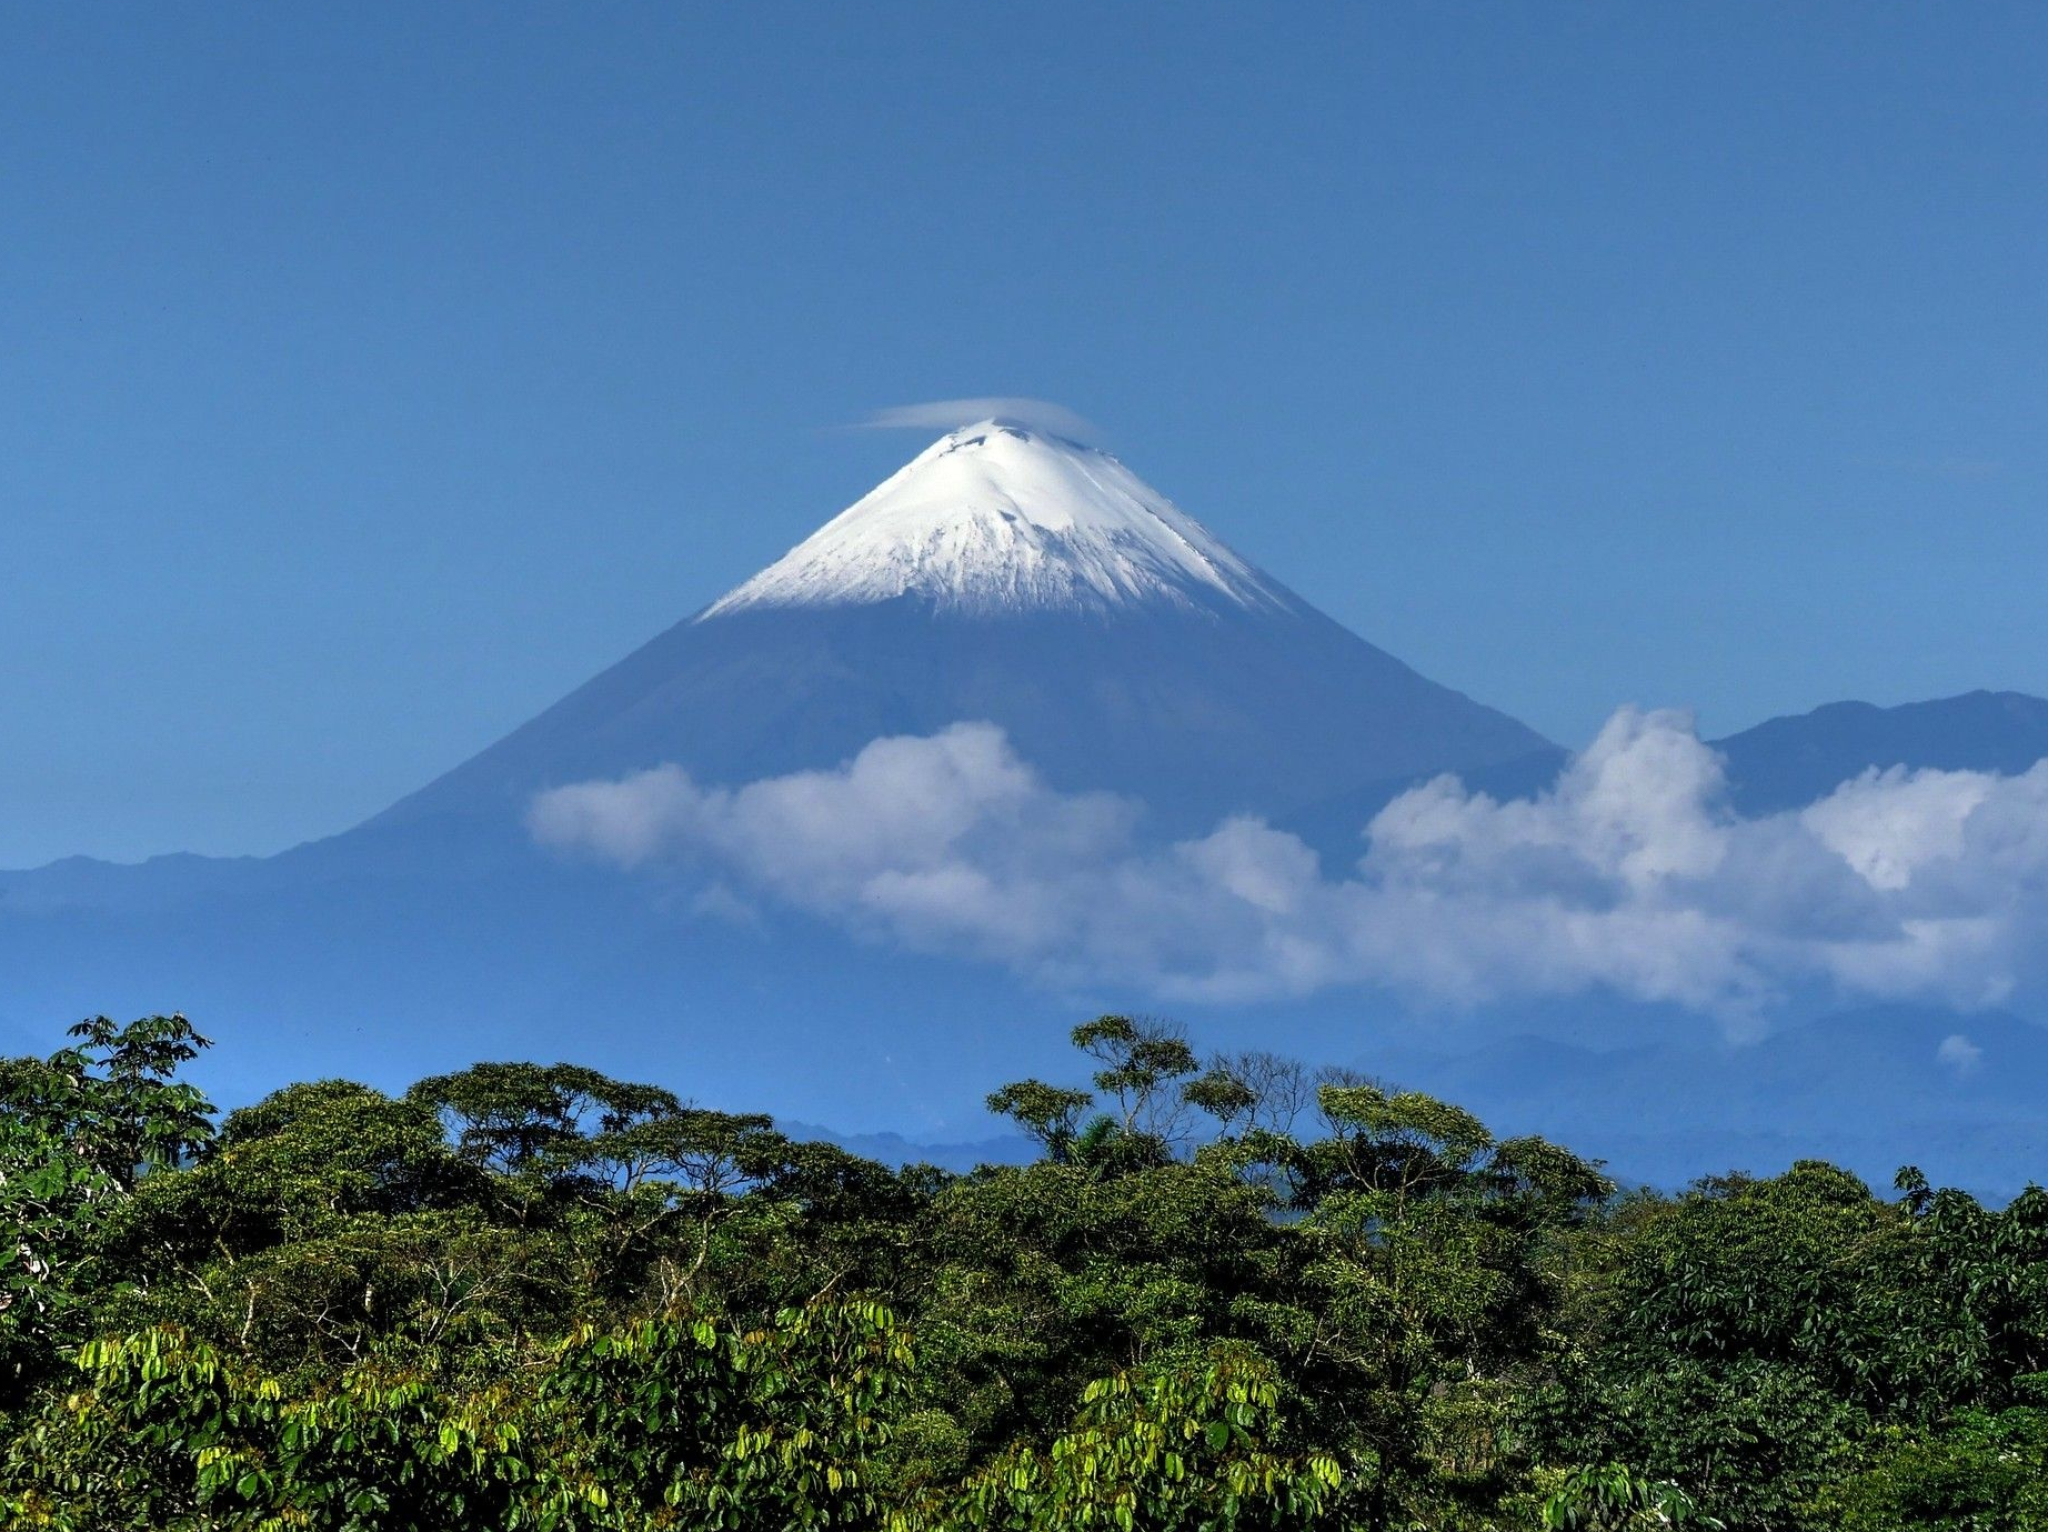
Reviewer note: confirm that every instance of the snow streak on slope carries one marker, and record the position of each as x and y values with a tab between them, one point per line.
998	518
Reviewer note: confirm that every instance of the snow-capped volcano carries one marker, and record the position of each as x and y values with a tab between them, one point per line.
1000	517
1016	577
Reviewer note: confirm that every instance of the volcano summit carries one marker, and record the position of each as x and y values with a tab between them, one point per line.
1000	518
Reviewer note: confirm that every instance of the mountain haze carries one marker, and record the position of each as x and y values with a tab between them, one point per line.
1016	576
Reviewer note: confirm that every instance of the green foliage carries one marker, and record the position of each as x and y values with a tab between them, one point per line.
1142	1061
679	1423
1238	1295
519	1118
1049	1114
1153	1451
1978	1472
1750	1340
1222	1094
683	1423
1607	1497
1985	1330
76	1130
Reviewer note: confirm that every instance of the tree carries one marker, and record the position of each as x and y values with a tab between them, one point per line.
1142	1062
76	1131
1404	1144
1746	1342
705	1425
1256	1091
1969	1297
1049	1114
1223	1095
520	1118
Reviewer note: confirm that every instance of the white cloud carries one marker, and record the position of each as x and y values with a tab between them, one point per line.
1886	825
951	414
1960	1054
1631	874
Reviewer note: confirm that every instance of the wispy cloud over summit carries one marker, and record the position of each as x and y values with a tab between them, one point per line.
951	414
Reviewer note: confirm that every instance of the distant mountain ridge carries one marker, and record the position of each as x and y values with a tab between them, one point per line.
1787	762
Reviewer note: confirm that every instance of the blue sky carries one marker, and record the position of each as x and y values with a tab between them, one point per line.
371	375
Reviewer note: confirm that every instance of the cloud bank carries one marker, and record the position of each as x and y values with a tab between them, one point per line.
1629	875
951	414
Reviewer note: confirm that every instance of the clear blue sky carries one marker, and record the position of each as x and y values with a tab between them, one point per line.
371	374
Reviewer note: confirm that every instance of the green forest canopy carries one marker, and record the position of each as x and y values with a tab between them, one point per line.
1230	1293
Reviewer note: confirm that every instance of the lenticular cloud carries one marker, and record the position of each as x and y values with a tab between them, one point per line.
1630	874
951	414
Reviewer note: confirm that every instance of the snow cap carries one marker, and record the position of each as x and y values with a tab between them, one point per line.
1001	517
